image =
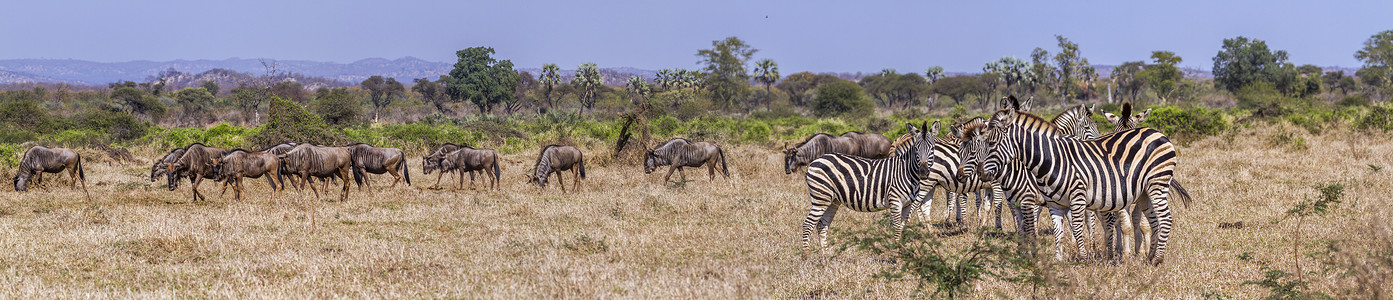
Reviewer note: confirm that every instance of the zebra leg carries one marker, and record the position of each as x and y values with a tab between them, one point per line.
1160	220
1109	225
823	224
916	204
1143	205
926	208
897	210
1077	207
995	199
962	207
1057	215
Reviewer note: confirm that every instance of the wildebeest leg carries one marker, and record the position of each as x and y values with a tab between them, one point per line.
560	181
396	177
680	175
343	173
711	170
237	189
194	187
307	178
575	173
437	179
670	169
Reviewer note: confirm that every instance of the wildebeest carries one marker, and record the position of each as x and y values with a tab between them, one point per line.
815	146
557	158
310	161
159	168
377	160
50	160
869	145
238	163
680	152
468	159
279	149
196	163
431	162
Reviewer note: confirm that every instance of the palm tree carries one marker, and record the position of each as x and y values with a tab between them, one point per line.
639	87
550	78
767	72
665	78
588	78
932	75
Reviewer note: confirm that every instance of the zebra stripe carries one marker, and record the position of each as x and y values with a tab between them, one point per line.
866	185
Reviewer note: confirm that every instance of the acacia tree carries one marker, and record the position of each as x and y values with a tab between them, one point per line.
550	78
381	92
1377	55
434	93
726	76
932	75
587	79
194	101
481	79
1128	78
137	102
1243	61
767	73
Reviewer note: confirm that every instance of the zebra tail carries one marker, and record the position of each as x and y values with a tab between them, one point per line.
1180	192
724	170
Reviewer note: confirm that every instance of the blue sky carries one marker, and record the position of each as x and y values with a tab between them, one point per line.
819	36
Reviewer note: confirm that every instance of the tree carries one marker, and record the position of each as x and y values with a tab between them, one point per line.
958	87
336	106
638	88
194	101
587	79
841	98
433	92
137	102
1129	78
248	98
1162	75
1377	55
550	78
1041	68
932	75
798	85
481	79
1089	74
525	83
1310	81
767	72
894	88
1068	62
1013	71
381	92
1243	61
212	87
726	76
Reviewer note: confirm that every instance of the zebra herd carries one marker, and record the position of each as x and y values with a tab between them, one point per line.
1062	165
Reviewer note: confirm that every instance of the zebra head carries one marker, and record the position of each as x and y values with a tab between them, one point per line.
923	143
972	149
993	151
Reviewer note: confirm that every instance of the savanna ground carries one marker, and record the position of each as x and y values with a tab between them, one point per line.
626	234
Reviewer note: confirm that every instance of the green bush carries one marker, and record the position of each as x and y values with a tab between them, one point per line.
1265	102
841	98
755	131
10	154
114	126
288	122
1377	118
338	107
1353	100
1174	121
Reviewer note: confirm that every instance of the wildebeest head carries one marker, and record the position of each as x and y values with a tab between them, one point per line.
21	181
790	159
217	163
171	172
429	163
651	162
538	178
157	170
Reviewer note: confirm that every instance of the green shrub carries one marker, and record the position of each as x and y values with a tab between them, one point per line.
1266	102
755	131
288	122
10	154
1174	121
1353	100
1377	118
114	126
338	107
841	98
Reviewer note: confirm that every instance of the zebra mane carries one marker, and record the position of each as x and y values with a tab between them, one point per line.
901	140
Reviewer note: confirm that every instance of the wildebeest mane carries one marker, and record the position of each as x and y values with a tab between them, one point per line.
811	137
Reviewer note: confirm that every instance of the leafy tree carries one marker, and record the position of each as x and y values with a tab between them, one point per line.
212	87
958	87
194	101
1310	81
1089	74
248	98
800	84
137	102
588	79
638	88
932	75
1041	68
1377	55
381	92
1012	71
525	83
290	90
1068	62
434	93
1162	75
336	106
767	72
1332	81
1243	61
726	76
550	78
841	98
481	79
1129	78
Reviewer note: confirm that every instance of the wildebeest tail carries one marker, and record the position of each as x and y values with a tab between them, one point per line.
80	174
496	172
1180	192
357	174
582	167
405	170
724	170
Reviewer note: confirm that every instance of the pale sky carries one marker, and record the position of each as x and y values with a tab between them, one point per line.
819	36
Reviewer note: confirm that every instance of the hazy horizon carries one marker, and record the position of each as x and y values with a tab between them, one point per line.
819	37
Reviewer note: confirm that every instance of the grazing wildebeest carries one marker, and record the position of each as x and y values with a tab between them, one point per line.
50	160
431	162
557	158
238	163
815	146
870	145
468	159
310	161
160	166
196	163
279	149
679	152
377	160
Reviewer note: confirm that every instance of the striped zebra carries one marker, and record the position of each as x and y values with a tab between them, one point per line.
1120	124
1105	174
867	185
944	174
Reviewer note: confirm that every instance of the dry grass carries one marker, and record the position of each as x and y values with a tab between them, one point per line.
624	235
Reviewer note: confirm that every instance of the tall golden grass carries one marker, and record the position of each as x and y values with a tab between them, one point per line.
628	235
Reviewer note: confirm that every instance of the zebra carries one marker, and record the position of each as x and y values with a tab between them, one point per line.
867	185
1120	124
1105	174
944	174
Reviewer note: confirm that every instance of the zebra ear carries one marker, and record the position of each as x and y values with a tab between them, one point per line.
934	130
911	128
1111	117
1092	109
1025	105
1141	116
